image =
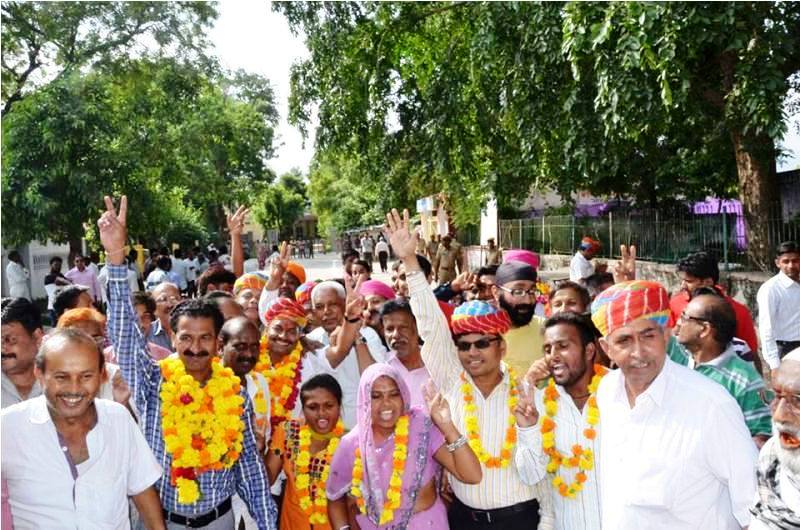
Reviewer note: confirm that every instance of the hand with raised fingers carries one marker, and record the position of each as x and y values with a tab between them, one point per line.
120	390
525	412
400	235
355	304
278	266
464	282
438	408
236	221
114	230
625	269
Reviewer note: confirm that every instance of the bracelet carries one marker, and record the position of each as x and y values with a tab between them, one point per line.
115	251
353	320
462	440
345	527
413	273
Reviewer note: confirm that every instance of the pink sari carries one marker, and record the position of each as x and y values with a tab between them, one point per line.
424	439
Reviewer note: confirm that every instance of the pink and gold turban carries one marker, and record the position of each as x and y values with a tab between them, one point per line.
477	316
303	293
624	302
251	280
286	308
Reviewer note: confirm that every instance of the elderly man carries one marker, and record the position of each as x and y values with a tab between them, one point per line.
675	451
705	328
482	391
80	274
779	306
88	453
215	463
580	267
777	501
22	334
405	355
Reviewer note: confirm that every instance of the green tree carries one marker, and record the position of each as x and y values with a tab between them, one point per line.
648	100
47	40
279	205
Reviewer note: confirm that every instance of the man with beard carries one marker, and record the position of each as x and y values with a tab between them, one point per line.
22	333
197	495
675	451
107	458
515	291
570	408
777	502
405	355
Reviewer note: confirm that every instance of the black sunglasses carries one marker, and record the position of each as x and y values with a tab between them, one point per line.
480	344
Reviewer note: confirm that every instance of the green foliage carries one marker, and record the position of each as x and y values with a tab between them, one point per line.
179	143
279	205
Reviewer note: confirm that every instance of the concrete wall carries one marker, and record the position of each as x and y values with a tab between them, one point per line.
36	257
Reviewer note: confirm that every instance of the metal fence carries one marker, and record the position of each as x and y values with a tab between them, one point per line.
657	236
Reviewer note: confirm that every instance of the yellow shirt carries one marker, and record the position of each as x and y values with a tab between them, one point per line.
524	345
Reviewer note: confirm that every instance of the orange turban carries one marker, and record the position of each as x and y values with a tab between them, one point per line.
296	270
286	308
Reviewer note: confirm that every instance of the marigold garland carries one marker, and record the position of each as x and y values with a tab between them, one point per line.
473	432
317	508
394	494
259	402
202	425
283	379
581	458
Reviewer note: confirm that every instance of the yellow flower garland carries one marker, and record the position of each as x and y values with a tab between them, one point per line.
282	378
316	509
473	431
394	494
202	425
582	458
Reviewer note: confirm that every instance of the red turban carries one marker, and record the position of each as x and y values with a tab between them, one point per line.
477	316
286	308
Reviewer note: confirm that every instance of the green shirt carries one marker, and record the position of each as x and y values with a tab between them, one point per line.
741	380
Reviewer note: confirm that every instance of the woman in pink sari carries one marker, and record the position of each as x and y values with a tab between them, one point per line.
390	460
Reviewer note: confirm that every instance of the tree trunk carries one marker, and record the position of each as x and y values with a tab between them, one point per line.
75	249
759	193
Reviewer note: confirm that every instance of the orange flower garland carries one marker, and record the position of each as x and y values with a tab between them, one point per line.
473	432
581	458
202	425
282	379
316	509
394	494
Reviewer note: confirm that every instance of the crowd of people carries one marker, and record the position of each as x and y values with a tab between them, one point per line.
251	396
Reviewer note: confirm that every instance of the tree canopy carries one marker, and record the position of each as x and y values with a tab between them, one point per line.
649	100
280	204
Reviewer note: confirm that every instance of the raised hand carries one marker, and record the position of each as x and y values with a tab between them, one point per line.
114	230
539	371
278	267
399	233
625	269
464	282
120	390
236	221
355	304
438	408
525	412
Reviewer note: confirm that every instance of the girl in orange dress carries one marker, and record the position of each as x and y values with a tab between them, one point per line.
303	450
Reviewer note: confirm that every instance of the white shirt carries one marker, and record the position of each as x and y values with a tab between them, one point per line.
155	278
191	266
681	458
250	265
179	268
381	246
584	510
580	267
347	373
778	302
102	279
17	277
40	484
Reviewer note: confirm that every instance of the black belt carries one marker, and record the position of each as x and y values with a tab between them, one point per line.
201	520
786	346
490	516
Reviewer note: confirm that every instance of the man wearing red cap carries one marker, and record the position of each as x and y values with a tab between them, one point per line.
675	451
581	265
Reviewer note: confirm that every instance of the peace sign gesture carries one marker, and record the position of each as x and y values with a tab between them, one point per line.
113	230
279	265
525	412
236	221
355	303
625	269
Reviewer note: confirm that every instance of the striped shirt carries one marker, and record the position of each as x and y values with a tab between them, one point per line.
740	379
523	480
247	476
584	510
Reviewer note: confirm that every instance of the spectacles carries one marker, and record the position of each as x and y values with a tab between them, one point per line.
684	317
519	293
772	399
480	344
164	299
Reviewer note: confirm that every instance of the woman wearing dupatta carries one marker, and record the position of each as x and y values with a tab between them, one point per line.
389	461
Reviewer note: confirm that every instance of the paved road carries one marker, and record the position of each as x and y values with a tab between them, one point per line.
329	266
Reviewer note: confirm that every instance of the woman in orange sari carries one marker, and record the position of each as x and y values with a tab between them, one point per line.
303	450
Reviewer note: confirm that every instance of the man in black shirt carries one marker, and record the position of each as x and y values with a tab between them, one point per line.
53	283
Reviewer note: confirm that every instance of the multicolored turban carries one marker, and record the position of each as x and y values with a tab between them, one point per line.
303	293
525	256
624	302
251	280
376	287
296	270
589	243
477	316
286	308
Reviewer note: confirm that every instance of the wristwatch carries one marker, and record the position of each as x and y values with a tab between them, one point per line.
353	320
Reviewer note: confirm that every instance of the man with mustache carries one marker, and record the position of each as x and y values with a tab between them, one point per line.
777	502
197	496
88	454
515	291
22	333
402	337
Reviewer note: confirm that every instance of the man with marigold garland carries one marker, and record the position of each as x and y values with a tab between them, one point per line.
500	422
194	411
571	419
675	451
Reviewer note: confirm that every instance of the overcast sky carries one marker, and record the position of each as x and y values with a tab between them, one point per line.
249	35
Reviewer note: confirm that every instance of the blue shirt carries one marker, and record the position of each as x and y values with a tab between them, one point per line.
247	477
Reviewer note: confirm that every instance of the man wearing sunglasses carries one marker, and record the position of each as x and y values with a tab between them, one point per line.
777	502
465	362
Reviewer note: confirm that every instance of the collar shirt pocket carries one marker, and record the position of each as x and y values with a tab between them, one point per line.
101	501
